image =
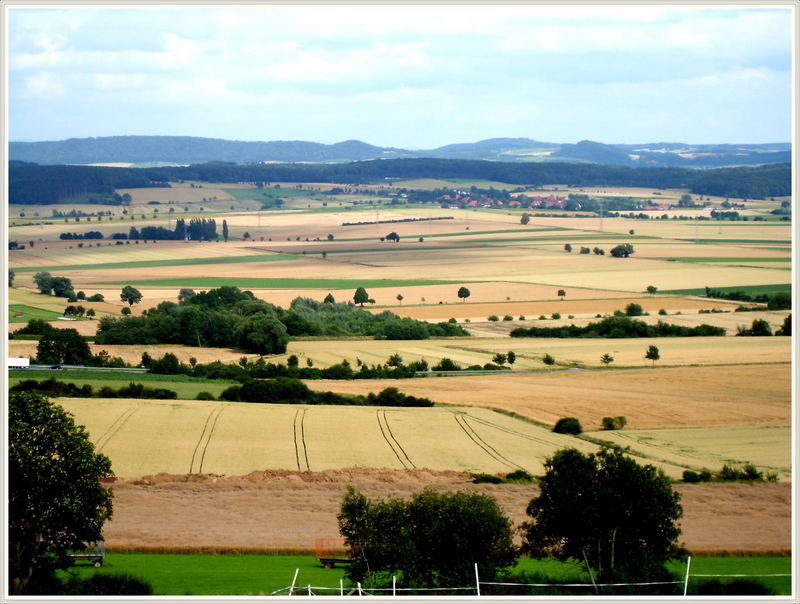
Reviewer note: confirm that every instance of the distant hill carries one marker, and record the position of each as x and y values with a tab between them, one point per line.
147	151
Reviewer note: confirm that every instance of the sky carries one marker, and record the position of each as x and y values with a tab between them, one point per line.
409	76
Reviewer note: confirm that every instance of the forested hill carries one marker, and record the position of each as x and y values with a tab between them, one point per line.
182	150
33	184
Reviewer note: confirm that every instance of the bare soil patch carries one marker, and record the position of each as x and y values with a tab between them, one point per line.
275	510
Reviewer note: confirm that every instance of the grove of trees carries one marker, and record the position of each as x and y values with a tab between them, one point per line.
432	541
606	511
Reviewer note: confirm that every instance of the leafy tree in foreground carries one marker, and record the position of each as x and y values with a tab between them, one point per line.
434	540
463	293
607	512
55	499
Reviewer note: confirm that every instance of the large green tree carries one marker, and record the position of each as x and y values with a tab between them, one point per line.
463	293
131	295
623	250
55	499
606	511
67	346
432	541
361	296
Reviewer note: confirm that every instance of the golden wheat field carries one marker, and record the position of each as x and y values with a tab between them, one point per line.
658	398
194	437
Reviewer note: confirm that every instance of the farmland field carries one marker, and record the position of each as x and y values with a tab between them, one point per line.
263	477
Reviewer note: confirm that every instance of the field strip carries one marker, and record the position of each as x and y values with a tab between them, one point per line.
473	436
393	443
114	428
278	283
299	420
152	263
205	438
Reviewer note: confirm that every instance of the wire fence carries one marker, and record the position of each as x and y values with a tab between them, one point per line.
475	590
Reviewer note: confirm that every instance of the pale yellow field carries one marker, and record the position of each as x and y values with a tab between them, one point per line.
192	437
767	447
683	397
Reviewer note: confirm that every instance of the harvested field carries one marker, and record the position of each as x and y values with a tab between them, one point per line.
269	510
685	397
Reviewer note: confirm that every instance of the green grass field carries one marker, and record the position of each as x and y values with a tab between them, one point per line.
749	289
713	260
174	262
247	282
30	312
248	574
185	386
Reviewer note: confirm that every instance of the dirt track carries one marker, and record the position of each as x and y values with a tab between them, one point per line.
282	510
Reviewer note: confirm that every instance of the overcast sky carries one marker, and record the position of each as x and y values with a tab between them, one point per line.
405	76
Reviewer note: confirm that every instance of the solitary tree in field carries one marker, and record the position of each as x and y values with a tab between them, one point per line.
131	295
623	250
329	299
567	247
652	354
511	356
562	293
224	228
361	296
463	293
651	289
606	359
400	298
525	219
499	359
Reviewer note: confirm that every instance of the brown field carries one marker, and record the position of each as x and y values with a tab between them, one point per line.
684	397
273	510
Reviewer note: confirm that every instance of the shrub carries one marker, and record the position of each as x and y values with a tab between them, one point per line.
482	478
204	396
548	360
508	318
735	587
662	311
555	315
614	423
446	365
634	310
568	425
102	584
691	476
519	476
493	318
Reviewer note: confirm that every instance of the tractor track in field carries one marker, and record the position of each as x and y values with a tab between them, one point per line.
115	427
535	439
299	421
491	451
205	438
392	441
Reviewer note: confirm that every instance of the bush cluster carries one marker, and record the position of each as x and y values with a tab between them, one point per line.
70	389
618	327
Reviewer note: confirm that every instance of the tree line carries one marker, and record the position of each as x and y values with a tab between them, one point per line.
34	184
618	327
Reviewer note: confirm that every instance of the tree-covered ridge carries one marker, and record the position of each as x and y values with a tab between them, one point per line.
229	317
33	184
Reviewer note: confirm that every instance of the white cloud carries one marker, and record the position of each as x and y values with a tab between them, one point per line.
43	84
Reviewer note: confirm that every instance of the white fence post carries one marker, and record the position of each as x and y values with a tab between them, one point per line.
359	588
291	589
477	580
341	587
686	580
309	590
394	585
